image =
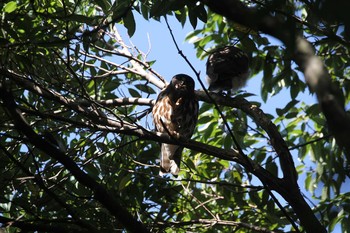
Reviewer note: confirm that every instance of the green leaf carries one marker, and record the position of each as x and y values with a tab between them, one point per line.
92	170
190	164
125	181
145	88
134	93
91	84
201	13
10	7
193	18
129	23
294	91
110	86
310	182
159	8
145	11
291	104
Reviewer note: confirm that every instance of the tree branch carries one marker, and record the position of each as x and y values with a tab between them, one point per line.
121	102
137	65
259	117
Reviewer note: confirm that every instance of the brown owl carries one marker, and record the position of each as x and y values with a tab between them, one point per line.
175	113
227	69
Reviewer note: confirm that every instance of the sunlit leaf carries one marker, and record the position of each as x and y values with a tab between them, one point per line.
10	7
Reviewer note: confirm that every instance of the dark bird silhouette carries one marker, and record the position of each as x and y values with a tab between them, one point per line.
175	113
227	69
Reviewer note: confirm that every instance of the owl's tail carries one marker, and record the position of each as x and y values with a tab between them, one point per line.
170	158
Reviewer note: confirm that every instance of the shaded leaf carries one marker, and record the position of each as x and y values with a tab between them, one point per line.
129	23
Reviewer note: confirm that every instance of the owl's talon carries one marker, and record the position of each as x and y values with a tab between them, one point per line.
174	169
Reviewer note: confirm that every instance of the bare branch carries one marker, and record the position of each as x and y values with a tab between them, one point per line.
137	64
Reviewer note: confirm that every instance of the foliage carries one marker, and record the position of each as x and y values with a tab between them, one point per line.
85	97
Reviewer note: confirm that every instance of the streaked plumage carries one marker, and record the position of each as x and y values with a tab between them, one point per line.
176	113
227	69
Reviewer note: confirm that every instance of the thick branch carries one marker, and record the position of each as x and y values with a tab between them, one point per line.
259	117
328	94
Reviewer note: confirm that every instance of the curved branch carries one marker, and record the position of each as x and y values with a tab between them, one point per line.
259	117
104	123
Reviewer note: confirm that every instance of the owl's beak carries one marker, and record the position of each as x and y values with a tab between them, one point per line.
181	85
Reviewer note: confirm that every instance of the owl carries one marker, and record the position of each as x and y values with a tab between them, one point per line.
227	69
175	112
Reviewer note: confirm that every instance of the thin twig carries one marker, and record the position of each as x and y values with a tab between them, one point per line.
309	142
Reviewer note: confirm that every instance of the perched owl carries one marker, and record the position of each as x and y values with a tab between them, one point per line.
175	112
227	69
